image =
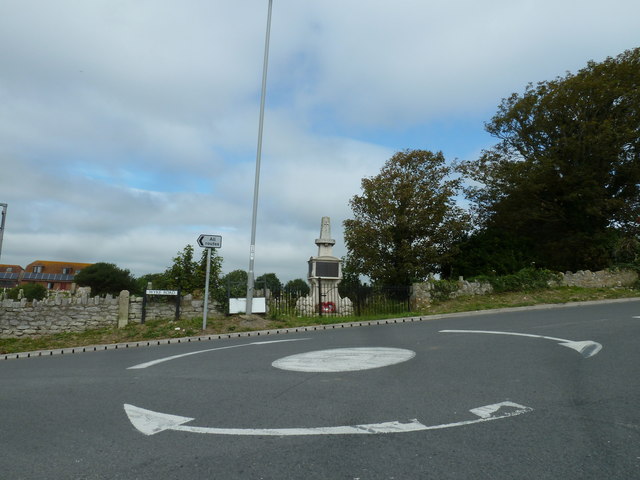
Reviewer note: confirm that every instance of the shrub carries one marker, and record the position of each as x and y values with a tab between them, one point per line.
523	280
31	291
442	289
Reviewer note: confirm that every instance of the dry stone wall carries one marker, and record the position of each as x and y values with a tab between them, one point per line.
599	279
76	313
423	291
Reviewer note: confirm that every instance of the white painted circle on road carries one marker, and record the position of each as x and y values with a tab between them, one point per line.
344	359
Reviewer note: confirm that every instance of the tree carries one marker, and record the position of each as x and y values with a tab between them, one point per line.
105	278
297	287
350	282
184	273
565	176
189	275
406	221
157	280
234	283
271	281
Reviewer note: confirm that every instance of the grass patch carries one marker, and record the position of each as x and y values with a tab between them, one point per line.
165	329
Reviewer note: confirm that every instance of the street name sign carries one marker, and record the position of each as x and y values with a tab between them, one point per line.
162	292
210	241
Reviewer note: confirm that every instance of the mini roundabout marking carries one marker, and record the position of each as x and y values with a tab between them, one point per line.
344	359
149	422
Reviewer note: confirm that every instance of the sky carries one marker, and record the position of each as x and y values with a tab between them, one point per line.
130	127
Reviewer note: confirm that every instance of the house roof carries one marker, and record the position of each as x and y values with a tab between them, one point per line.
14	268
54	266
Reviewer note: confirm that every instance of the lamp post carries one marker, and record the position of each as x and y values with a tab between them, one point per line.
3	214
252	248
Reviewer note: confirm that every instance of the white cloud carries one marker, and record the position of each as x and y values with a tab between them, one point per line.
128	128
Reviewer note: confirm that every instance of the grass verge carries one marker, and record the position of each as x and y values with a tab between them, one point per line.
165	329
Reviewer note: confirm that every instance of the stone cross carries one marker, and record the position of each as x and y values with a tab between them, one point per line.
325	242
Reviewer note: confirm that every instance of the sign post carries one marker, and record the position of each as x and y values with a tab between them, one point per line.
208	242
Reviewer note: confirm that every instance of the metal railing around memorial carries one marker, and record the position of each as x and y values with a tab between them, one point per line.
364	300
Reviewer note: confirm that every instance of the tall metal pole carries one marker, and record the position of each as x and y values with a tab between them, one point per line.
252	248
3	214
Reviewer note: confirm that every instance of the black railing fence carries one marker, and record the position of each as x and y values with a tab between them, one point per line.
370	300
328	301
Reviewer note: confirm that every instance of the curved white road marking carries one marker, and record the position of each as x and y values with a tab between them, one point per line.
149	423
174	357
344	359
586	348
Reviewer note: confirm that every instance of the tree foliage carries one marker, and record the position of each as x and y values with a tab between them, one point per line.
297	287
157	281
270	281
405	221
189	275
565	176
106	278
234	284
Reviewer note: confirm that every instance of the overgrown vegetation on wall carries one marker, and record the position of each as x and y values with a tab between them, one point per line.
527	279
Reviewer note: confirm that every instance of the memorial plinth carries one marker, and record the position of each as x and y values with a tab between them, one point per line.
325	274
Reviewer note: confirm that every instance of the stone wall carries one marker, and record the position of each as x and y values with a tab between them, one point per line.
424	291
599	279
76	313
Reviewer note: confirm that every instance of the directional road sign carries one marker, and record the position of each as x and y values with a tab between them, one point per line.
210	241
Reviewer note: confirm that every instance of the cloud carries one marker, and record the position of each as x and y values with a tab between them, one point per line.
129	128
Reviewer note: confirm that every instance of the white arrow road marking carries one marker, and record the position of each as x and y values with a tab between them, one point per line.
150	423
586	348
174	357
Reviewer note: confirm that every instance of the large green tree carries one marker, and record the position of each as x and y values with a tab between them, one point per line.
564	178
106	278
405	221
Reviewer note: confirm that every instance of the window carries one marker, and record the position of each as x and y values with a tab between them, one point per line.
67	270
38	269
9	269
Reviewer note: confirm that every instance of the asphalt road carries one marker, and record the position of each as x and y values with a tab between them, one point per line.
452	405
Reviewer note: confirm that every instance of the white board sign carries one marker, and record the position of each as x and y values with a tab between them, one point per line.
239	305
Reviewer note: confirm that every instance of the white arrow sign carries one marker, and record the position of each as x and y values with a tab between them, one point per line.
586	348
210	241
150	423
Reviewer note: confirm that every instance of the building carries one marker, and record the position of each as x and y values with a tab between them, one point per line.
52	275
10	275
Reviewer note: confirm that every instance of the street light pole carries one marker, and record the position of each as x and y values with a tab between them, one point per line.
252	248
3	214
